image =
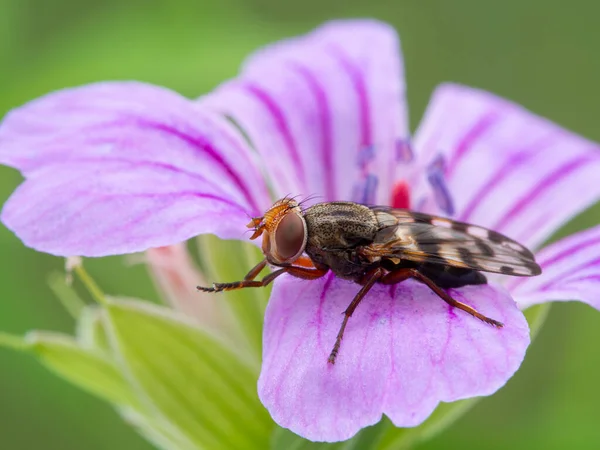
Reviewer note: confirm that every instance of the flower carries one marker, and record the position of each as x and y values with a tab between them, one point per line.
116	168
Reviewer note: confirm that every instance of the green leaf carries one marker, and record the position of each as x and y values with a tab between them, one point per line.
161	434
12	342
536	316
90	370
366	439
223	261
188	379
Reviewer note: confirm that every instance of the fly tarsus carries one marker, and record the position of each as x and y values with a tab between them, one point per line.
491	321
220	287
306	273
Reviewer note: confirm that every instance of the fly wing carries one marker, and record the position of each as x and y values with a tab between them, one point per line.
423	238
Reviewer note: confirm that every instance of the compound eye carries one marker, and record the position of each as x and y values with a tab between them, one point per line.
290	237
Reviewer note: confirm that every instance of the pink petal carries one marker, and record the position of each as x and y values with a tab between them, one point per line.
506	168
325	110
404	351
570	271
121	167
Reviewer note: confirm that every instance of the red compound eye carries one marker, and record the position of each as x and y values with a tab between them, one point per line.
401	195
290	236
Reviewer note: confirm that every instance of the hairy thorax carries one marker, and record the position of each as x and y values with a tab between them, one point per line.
335	231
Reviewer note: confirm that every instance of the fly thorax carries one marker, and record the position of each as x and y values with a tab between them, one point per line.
340	225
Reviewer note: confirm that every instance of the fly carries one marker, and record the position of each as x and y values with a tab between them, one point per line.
378	244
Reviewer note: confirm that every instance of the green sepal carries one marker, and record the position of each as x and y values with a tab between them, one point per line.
90	332
366	439
382	436
224	261
187	378
90	370
160	433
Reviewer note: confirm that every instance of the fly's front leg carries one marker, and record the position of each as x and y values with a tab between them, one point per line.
255	270
305	270
368	281
248	281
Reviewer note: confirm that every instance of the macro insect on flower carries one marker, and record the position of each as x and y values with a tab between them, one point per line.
379	244
122	167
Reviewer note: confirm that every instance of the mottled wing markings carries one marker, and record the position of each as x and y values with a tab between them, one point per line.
423	238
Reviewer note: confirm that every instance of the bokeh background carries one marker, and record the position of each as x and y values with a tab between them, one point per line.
543	54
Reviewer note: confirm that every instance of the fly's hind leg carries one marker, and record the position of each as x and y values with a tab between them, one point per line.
399	275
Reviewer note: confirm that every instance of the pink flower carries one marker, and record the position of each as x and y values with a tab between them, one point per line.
116	168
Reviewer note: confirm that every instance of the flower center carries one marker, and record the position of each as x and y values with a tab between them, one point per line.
400	195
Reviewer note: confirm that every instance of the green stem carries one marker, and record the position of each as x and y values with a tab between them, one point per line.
67	296
12	341
90	285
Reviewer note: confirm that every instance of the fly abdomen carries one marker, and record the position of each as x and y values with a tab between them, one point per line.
452	277
444	276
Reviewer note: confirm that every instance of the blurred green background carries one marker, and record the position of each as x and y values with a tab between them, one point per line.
543	54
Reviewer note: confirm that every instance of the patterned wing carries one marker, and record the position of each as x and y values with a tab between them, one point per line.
423	238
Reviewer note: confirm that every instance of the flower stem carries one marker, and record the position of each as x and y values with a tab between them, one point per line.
12	341
90	285
67	296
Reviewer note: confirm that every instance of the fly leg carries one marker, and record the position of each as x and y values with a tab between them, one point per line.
368	281
399	275
305	270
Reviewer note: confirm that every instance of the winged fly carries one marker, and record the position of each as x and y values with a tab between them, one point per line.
378	244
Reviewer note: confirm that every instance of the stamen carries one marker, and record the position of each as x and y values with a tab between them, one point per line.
364	191
404	151
365	156
437	180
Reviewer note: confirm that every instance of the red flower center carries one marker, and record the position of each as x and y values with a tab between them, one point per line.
401	195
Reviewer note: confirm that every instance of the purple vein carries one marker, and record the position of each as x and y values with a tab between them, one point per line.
570	251
518	159
324	116
141	215
280	123
358	82
192	141
206	147
557	279
102	160
541	187
319	312
594	277
467	142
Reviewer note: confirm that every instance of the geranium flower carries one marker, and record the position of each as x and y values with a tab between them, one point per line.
115	168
